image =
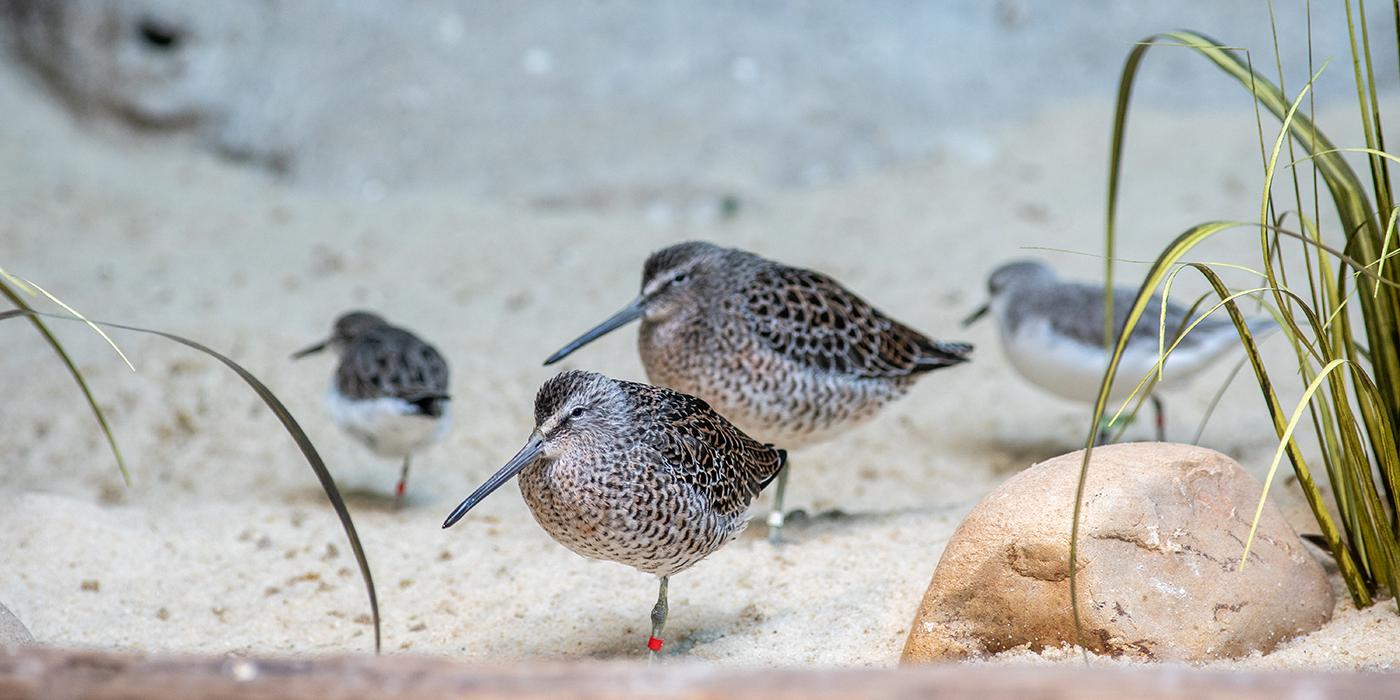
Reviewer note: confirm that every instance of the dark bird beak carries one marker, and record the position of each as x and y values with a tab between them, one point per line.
976	315
318	347
629	313
522	459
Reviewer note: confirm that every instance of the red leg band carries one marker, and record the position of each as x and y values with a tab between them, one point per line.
654	644
399	491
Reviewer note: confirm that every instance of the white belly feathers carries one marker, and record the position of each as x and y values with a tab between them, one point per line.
390	427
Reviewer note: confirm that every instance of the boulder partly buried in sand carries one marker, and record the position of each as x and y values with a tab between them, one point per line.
1161	534
13	633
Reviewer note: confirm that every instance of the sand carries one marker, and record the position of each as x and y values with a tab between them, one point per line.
224	543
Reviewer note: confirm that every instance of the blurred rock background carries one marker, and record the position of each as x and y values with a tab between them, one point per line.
620	103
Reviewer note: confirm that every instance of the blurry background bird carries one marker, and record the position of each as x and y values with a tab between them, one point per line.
1052	331
389	390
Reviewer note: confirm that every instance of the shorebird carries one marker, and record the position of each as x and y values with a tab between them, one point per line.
789	355
389	390
1052	332
636	474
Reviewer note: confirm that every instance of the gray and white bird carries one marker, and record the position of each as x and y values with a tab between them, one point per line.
635	474
789	355
390	389
1052	331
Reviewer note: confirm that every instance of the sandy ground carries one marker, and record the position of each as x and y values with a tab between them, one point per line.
225	544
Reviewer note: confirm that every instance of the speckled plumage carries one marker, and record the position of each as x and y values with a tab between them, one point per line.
378	360
645	476
788	354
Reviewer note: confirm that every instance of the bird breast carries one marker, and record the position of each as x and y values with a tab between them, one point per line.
626	511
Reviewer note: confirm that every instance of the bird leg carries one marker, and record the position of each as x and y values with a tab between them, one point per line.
658	619
775	519
403	484
1161	410
1105	432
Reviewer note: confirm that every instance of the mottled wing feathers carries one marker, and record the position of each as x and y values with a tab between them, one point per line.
704	450
391	362
813	320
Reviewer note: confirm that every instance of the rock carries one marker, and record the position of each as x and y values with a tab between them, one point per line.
13	632
1162	531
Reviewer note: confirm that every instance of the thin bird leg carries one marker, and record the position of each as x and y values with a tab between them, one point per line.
658	619
1161	410
775	519
403	484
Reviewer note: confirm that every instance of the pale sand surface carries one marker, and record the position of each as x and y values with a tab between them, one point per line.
225	544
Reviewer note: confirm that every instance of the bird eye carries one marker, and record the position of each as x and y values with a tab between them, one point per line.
576	412
680	278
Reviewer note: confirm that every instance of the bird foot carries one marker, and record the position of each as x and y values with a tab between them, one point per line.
777	519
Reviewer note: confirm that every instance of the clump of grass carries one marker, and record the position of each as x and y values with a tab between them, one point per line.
308	450
1342	320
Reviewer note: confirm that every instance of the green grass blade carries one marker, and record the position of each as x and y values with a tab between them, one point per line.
1287	436
95	328
25	309
1381	314
1366	97
1356	581
1163	263
308	450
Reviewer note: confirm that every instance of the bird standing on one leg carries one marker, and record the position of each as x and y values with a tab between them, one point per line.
636	474
389	390
789	355
1052	332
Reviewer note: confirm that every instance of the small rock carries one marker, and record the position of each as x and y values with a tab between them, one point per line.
1161	533
13	633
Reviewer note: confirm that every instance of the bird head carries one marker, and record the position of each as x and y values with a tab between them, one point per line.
674	280
574	410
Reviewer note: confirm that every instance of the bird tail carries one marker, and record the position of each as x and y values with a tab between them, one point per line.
782	464
937	354
431	405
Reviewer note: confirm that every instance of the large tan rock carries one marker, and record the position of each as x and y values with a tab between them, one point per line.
1162	531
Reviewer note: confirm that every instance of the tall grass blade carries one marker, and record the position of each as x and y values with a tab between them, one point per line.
95	328
25	309
1303	403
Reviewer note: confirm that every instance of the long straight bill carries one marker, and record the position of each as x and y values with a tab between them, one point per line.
629	313
318	347
522	459
979	313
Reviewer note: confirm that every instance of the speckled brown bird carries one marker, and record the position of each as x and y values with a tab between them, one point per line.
789	355
636	474
389	390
